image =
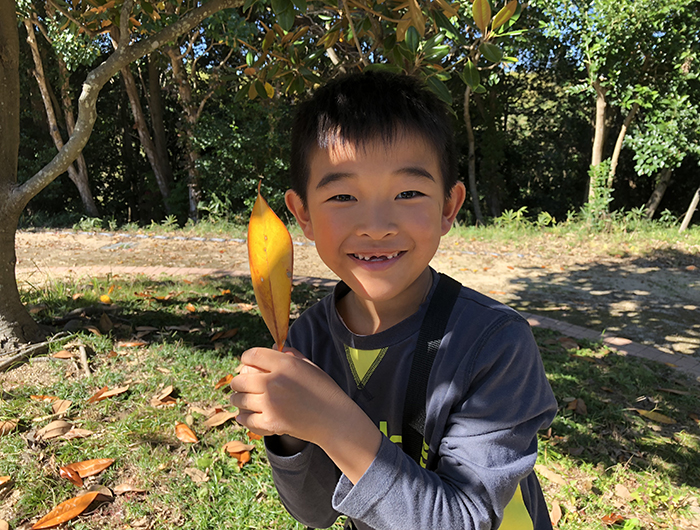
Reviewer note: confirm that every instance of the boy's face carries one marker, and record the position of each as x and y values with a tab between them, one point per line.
377	214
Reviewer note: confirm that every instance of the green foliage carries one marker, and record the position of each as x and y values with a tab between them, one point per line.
596	212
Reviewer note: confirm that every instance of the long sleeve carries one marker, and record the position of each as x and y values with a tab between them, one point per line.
305	482
488	447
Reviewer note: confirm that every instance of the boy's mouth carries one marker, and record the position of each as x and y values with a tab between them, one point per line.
377	257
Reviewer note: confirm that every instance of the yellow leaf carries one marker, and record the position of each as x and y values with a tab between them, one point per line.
504	14
655	416
105	299
270	257
481	10
269	90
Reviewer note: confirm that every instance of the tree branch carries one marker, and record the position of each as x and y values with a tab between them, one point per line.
124	33
355	37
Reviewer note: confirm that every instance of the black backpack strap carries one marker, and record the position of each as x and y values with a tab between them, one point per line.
431	332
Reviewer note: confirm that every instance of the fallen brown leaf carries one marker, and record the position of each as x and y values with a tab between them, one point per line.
7	426
96	396
185	434
104	393
66	511
50	399
106	324
219	419
674	391
622	492
54	430
88	468
196	475
77	433
127	488
611	519
568	343
578	406
130	344
71	474
555	514
223	381
60	406
550	475
655	416
235	446
191	308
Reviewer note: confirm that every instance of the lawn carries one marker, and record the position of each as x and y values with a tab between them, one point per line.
162	347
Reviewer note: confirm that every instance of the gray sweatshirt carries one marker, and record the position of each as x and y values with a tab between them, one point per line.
487	397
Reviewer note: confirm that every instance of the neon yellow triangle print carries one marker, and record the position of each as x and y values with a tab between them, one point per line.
363	362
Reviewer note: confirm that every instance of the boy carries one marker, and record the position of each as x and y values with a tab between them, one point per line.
375	186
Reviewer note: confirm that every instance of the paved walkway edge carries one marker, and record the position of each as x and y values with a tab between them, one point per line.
685	363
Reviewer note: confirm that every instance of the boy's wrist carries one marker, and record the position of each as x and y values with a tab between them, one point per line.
352	441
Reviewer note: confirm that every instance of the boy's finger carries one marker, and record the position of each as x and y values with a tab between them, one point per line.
245	402
262	358
250	383
249	420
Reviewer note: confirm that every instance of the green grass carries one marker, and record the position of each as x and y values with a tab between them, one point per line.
609	445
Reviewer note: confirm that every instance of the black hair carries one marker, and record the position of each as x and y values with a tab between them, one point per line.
367	107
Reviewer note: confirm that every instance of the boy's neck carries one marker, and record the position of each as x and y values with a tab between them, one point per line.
367	317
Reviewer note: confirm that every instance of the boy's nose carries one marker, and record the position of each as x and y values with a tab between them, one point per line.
377	222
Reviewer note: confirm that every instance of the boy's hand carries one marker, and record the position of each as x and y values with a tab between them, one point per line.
285	393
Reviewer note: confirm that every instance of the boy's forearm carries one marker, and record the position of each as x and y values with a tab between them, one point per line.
352	441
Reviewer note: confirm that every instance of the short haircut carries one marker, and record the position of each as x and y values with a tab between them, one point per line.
367	107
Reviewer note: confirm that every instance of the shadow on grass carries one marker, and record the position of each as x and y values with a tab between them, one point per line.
653	299
609	430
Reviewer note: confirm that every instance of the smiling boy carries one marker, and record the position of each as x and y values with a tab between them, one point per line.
375	186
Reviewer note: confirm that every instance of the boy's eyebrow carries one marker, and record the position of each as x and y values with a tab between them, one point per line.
412	171
332	177
416	171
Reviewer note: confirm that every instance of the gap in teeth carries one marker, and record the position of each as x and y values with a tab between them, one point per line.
373	257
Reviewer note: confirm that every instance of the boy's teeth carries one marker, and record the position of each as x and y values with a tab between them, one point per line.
371	257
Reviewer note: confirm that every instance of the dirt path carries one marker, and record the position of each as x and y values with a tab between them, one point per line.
650	301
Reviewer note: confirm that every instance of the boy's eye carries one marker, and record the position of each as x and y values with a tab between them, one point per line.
409	194
342	198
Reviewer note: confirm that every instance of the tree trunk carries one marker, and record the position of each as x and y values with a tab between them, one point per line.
658	194
157	117
492	149
145	135
599	132
618	144
16	325
79	179
690	212
471	166
190	111
70	126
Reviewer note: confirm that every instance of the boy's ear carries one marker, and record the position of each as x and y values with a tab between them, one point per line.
452	206
296	206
